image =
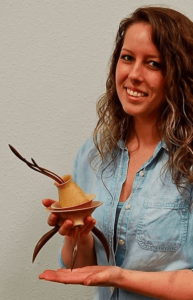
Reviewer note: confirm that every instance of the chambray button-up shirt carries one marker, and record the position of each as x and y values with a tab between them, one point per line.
154	229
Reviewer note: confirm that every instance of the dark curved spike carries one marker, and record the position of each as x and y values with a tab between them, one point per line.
37	168
47	236
17	153
35	164
44	239
103	240
48	172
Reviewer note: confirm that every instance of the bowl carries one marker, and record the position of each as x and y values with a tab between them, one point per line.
77	215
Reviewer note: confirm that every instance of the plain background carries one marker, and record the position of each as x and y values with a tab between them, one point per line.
54	61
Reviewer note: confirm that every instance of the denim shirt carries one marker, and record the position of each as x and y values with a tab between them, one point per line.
155	226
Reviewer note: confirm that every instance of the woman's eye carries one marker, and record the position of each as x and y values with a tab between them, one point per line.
155	64
127	57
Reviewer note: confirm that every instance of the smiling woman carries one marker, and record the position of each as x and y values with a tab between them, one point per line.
139	163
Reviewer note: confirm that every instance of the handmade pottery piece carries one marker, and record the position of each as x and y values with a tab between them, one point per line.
73	204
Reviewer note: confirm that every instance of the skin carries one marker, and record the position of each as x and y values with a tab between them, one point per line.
138	68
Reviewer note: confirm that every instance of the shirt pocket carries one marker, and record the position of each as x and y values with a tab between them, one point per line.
163	225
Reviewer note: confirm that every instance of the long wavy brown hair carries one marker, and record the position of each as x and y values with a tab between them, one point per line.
172	34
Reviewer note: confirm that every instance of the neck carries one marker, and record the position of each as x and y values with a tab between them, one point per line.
146	133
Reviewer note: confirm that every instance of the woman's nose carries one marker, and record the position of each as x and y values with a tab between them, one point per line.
136	72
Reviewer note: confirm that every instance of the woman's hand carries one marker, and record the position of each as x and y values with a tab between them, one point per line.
92	275
86	252
67	226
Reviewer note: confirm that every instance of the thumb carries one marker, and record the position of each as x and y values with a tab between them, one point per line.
48	202
91	280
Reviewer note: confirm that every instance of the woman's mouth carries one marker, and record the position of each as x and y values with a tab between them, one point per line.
135	93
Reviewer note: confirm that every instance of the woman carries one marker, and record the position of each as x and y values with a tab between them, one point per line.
140	166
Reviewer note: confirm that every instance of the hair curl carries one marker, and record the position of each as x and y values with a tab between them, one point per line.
172	34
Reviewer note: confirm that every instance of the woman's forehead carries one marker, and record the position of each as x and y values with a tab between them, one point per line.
139	36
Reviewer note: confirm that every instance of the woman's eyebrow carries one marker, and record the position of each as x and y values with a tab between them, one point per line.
125	49
151	55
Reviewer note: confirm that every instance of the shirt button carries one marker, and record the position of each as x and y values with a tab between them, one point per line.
141	173
128	206
121	242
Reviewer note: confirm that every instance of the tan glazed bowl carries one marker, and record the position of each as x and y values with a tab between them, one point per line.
77	214
70	194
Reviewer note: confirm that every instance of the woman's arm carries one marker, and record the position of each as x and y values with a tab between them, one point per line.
86	253
164	285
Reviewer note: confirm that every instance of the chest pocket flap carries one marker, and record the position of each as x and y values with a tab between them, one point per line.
163	224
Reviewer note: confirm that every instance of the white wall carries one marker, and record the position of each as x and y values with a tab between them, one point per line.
53	59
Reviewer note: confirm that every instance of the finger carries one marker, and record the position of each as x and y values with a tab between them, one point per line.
49	275
89	224
97	279
52	219
91	280
67	228
64	276
42	275
48	202
88	228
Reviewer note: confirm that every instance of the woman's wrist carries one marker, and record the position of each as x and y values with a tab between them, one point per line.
86	252
86	241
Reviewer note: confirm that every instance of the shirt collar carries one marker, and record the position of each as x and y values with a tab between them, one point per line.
121	145
161	144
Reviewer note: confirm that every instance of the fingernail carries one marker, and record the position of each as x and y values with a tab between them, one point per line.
52	218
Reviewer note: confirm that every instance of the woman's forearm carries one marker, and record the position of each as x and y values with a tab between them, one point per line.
165	285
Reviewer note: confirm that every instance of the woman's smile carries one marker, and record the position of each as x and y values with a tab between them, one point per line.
135	93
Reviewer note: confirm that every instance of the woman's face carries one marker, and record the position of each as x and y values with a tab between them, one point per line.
139	80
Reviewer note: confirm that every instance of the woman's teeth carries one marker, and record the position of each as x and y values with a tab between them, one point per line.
135	94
